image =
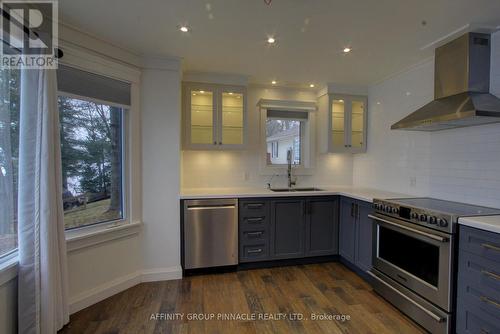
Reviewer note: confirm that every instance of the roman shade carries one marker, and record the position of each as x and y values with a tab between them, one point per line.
81	83
282	114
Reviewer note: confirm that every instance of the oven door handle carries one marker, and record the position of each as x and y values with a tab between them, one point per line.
428	235
428	312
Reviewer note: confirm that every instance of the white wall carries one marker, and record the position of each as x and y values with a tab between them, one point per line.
161	175
241	168
8	307
459	164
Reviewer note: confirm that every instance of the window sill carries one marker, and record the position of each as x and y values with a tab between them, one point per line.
8	268
94	235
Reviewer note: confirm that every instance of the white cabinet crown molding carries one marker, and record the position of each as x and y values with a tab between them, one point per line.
289	105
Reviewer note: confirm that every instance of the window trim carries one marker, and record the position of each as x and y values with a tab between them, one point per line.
308	146
87	60
8	266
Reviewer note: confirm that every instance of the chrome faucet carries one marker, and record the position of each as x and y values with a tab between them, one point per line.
289	168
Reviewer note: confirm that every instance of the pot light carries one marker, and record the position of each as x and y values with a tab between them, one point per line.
271	40
202	92
311	85
347	50
273	82
184	28
230	93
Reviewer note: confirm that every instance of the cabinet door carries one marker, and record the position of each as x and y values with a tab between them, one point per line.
338	123
321	227
287	228
357	127
200	103
347	233
232	117
364	236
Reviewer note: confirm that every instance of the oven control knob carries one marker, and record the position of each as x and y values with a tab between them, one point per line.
443	222
388	209
395	210
414	215
433	220
423	218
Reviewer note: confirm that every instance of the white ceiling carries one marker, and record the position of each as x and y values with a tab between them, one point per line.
229	36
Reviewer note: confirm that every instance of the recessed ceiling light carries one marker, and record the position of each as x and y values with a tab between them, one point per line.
230	93
202	91
194	94
347	50
273	82
311	85
341	101
184	28
271	40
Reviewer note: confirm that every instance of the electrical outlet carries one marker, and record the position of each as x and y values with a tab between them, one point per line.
413	181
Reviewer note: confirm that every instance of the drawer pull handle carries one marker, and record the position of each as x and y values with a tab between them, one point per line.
490	274
484	331
253	251
255	220
489	301
255	206
254	234
488	246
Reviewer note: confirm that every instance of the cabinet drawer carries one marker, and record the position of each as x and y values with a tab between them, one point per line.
254	223
252	253
473	321
254	208
478	274
479	242
254	237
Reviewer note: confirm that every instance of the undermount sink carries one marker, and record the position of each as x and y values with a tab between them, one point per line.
295	189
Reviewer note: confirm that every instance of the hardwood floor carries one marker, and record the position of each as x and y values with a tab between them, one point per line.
307	290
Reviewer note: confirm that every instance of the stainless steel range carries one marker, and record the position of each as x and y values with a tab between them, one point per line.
413	257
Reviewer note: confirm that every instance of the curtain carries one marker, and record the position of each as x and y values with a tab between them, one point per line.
43	283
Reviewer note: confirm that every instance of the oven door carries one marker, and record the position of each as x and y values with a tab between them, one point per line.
417	257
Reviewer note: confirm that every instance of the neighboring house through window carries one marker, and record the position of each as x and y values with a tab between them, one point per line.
285	131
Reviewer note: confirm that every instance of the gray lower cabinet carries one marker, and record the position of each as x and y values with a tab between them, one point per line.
347	232
356	232
364	236
287	228
321	226
478	287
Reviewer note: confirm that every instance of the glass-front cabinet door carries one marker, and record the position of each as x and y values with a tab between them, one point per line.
338	124
214	116
202	117
347	124
232	117
358	126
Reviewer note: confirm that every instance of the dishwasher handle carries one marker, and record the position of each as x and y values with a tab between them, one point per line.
211	207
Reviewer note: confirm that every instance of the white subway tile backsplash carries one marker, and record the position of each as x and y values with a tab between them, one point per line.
459	164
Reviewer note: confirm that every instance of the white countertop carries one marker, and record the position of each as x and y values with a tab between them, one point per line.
487	223
362	194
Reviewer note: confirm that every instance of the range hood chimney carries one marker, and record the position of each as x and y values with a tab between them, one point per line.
461	88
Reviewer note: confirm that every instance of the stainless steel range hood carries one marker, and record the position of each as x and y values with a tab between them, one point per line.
461	88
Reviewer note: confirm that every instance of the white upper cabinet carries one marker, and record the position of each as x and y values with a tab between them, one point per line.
214	116
343	120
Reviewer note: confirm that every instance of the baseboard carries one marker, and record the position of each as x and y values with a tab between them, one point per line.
101	292
162	274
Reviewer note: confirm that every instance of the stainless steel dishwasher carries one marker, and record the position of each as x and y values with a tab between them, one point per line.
210	233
